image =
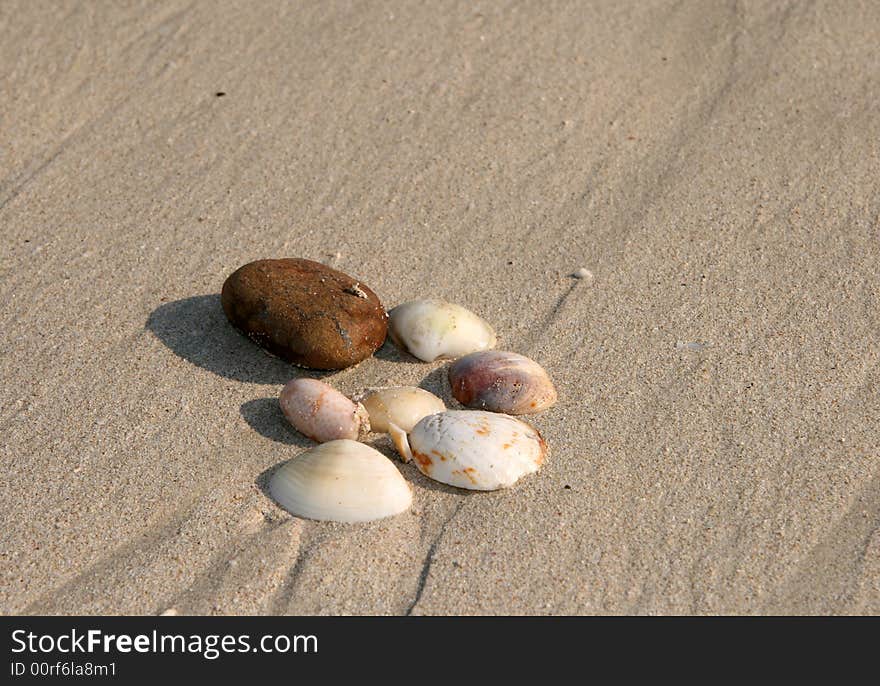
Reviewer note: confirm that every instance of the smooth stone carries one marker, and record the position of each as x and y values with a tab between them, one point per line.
305	312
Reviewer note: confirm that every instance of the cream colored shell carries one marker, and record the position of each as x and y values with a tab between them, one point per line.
402	406
431	329
341	481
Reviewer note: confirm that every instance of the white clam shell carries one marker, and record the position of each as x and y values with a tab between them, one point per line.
401	406
430	329
321	412
475	449
341	481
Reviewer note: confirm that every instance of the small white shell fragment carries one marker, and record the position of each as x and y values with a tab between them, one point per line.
341	481
585	274
401	442
403	406
477	450
321	412
692	346
430	329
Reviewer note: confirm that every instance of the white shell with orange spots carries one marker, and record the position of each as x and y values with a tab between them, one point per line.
477	450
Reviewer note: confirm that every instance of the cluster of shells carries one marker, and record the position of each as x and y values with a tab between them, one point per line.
484	447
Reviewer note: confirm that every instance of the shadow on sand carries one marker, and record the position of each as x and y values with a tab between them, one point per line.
437	382
389	352
264	416
196	329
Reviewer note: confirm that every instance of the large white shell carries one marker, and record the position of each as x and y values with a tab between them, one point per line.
401	406
430	329
322	413
341	481
474	449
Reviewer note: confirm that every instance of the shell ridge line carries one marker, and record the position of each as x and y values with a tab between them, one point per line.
443	428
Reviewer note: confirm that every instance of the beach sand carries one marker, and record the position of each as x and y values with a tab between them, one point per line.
714	165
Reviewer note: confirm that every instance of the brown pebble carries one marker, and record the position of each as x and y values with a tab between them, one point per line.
305	312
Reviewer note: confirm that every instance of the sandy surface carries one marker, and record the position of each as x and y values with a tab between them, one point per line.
714	164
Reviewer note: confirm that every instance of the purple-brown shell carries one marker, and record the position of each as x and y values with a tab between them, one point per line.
501	381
